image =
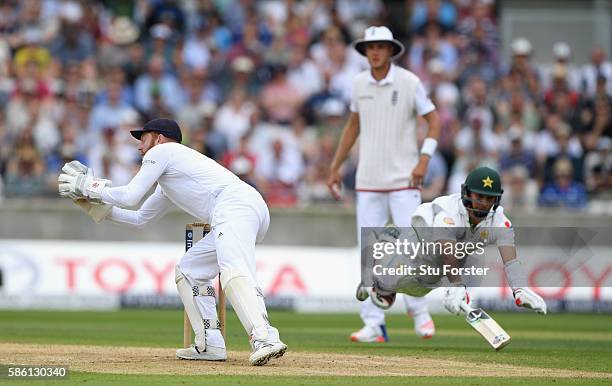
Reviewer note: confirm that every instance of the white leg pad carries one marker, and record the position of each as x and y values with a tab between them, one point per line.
243	295
207	305
195	318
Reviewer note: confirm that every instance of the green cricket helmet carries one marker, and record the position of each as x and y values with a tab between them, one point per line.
485	181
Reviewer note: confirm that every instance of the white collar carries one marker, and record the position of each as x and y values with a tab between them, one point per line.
386	80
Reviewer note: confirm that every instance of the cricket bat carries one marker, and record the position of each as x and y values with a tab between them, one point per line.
486	326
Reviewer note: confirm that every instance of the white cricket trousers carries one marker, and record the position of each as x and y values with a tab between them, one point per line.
373	210
239	220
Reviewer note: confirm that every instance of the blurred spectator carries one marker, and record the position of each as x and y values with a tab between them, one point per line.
242	76
303	73
518	155
598	68
156	83
520	191
280	99
523	73
28	22
426	12
233	119
476	136
162	43
516	110
564	191
195	53
314	186
72	42
166	12
336	62
109	112
598	167
280	170
437	47
434	181
113	156
596	123
25	169
557	142
562	54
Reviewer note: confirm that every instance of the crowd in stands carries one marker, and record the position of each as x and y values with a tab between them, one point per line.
263	87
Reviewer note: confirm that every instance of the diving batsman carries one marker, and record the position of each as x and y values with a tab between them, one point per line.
473	216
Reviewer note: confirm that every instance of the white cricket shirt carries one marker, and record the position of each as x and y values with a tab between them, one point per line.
185	177
388	109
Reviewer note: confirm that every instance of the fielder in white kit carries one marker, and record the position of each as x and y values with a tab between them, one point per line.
207	191
386	101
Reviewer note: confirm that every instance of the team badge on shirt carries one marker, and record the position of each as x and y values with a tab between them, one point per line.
394	98
484	235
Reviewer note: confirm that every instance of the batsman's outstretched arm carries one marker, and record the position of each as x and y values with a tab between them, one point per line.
517	280
154	207
347	140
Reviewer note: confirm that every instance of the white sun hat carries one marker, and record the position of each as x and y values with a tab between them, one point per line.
379	34
562	50
521	46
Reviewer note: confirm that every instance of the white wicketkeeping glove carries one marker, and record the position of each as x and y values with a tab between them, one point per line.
97	212
78	181
524	297
74	168
81	186
453	297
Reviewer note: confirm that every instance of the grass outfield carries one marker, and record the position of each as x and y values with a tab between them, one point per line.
571	342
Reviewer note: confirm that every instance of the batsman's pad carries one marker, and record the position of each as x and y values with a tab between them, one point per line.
243	295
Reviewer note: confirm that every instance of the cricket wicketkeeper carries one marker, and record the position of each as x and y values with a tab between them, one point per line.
207	191
473	216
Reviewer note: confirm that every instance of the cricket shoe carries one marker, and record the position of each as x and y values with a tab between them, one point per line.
424	325
266	349
210	354
371	334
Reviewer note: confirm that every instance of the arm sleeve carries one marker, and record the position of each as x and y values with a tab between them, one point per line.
422	103
152	209
153	165
502	231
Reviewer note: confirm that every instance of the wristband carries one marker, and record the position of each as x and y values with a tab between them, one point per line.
429	146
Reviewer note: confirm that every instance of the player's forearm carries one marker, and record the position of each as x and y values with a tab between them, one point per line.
433	125
133	218
128	195
347	140
515	274
132	193
125	217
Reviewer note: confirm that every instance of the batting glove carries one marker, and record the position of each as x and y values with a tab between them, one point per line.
453	297
524	297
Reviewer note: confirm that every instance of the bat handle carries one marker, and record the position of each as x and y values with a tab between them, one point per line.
466	307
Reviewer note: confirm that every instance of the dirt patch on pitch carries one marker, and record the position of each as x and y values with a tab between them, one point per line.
145	360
